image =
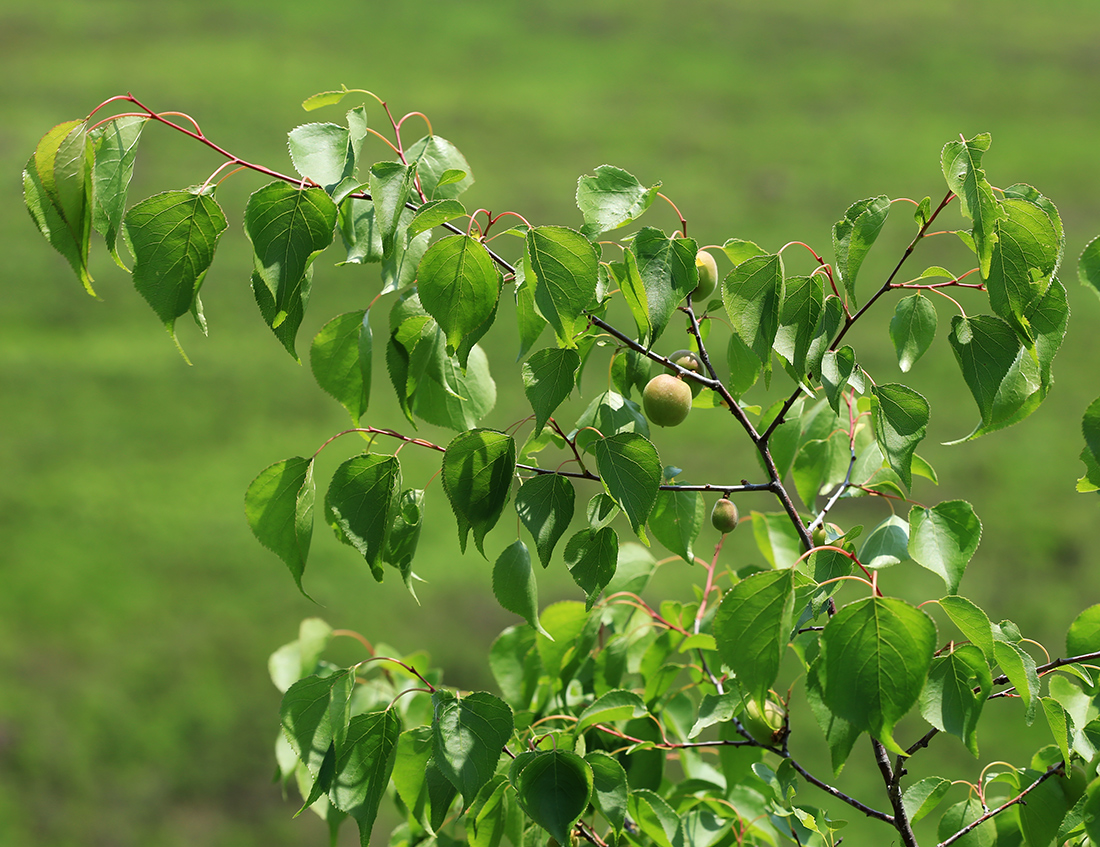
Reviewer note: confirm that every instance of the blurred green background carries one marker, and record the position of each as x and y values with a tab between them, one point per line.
136	610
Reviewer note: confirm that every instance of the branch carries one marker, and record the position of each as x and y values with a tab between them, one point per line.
1019	798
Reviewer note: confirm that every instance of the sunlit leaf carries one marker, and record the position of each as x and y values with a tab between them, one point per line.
545	506
631	472
359	504
876	655
901	420
469	735
514	583
912	329
853	236
611	198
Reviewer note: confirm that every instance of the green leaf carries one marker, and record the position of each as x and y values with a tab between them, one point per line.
1060	726
1025	254
477	474
515	664
434	157
1090	428
752	627
836	367
359	504
459	287
1091	810
172	237
1003	376
288	227
279	508
115	146
545	506
631	473
1019	667
753	295
972	622
399	265
962	168
821	464
738	250
853	236
957	687
777	540
611	198
469	735
359	231
667	271
591	556
876	654
564	267
529	320
554	788
676	520
514	583
616	705
1088	266
886	544
901	421
364	765
57	188
340	358
802	307
1084	633
391	185
943	539
314	714
434	213
840	735
564	627
609	788
654	816
548	378
1045	809
322	152
922	797
404	533
963	814
912	329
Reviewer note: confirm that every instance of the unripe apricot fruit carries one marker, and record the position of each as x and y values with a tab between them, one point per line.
723	516
763	725
666	400
689	361
708	276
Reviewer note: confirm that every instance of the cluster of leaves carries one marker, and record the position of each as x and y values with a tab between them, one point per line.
618	719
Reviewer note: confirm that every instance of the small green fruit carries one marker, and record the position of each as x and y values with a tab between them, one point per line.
689	361
708	276
763	725
819	537
666	400
724	516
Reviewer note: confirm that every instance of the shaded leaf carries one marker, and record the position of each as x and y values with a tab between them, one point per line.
279	508
901	421
631	473
676	520
752	627
957	687
591	556
359	504
548	378
340	358
514	583
554	787
288	227
477	474
459	287
364	765
469	735
545	506
172	237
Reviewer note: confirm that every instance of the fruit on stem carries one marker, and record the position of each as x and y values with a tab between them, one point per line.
723	516
689	361
708	276
763	725
666	400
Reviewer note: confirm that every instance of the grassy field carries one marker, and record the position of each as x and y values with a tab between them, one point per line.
137	611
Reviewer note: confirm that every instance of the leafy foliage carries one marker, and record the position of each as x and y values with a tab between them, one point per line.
611	709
